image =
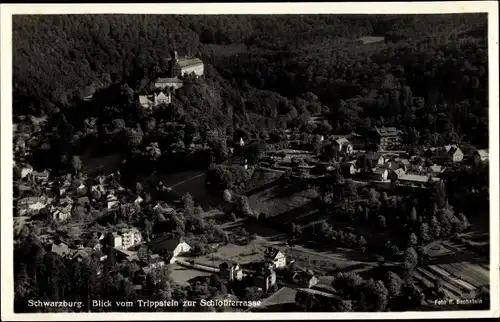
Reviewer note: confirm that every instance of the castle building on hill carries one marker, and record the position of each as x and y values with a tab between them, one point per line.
177	67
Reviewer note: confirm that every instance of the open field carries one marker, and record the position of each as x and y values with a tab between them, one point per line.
327	262
287	201
182	275
253	252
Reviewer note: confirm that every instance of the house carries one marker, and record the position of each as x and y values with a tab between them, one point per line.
454	152
388	138
342	145
112	239
241	142
97	190
152	263
159	208
131	237
81	255
435	169
126	255
32	205
81	189
41	177
112	201
150	101
304	278
170	247
162	98
231	271
26	171
375	158
64	188
60	249
396	174
138	200
265	280
276	257
168	82
414	180
60	214
146	101
398	163
481	156
379	174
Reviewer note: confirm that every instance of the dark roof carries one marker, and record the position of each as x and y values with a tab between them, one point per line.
271	252
387	131
165	243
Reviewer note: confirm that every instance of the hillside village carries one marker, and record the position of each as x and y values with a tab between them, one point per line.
377	159
301	219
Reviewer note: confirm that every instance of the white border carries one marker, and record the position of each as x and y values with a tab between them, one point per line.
490	7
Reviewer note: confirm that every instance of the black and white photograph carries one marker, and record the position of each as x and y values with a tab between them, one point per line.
250	162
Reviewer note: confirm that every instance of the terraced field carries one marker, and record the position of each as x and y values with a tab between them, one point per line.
457	279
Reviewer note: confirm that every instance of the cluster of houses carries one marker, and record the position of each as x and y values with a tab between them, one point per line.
167	82
387	165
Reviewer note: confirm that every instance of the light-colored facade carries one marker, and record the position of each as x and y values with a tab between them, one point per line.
454	152
173	83
182	247
131	238
481	156
276	257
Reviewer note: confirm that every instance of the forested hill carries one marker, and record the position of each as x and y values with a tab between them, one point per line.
56	57
442	58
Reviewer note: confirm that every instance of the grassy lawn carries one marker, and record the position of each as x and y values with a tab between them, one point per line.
282	200
253	252
182	275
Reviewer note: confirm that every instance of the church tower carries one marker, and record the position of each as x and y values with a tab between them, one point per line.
174	67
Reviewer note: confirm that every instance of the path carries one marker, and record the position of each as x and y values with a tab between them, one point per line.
186	180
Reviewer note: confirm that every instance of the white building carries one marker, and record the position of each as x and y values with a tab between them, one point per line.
131	238
276	257
112	201
168	82
124	239
481	156
26	171
150	101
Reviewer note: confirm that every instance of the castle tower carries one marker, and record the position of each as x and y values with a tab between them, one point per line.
175	55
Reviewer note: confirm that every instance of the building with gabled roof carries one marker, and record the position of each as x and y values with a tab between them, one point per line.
61	249
169	83
170	247
454	152
481	156
388	138
275	256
